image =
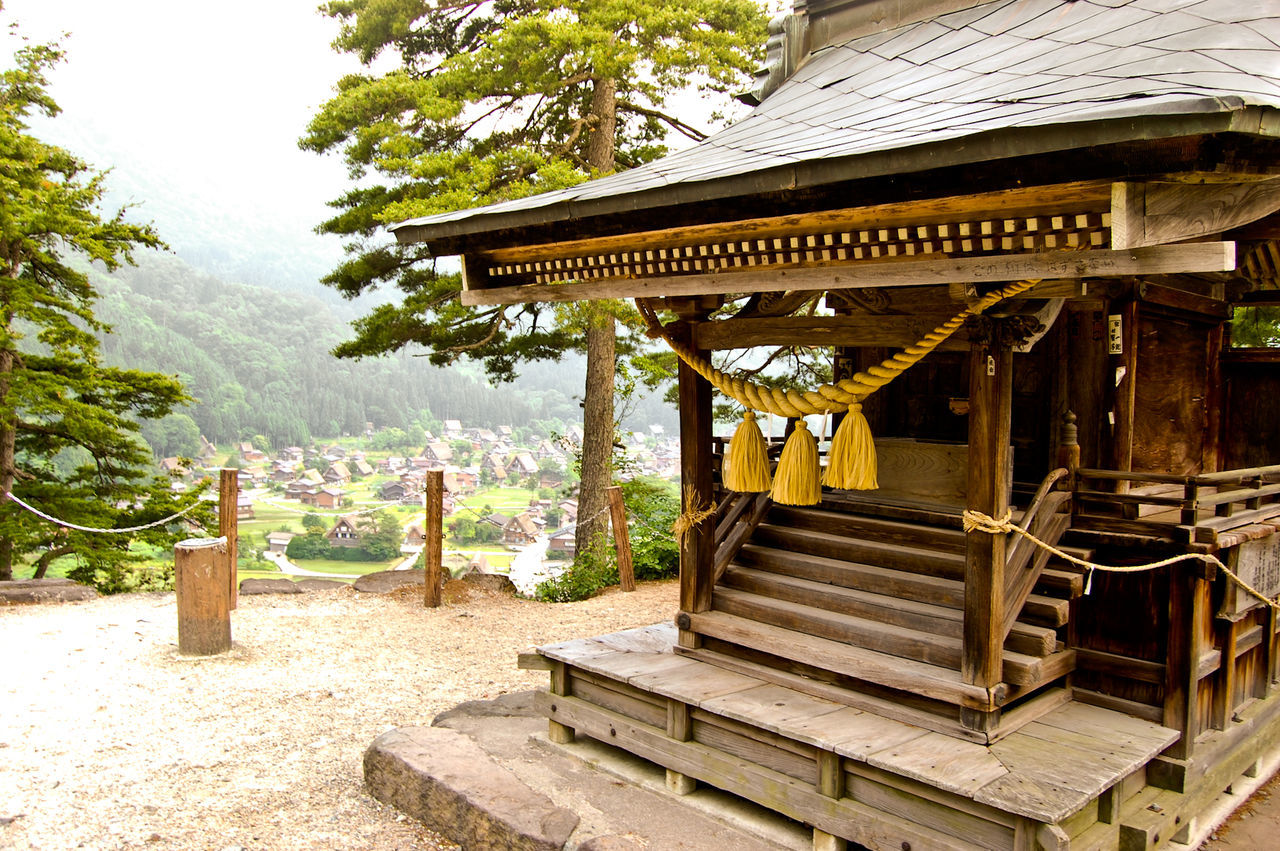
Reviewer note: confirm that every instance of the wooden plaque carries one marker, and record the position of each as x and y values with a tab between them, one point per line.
1257	563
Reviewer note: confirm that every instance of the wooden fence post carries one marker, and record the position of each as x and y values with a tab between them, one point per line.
433	534
621	539
228	526
204	614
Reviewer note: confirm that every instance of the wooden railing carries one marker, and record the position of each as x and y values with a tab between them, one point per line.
1182	509
1024	561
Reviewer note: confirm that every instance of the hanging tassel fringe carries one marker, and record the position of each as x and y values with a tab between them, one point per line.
797	480
851	461
746	467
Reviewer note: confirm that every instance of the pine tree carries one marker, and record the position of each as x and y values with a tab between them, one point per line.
502	99
69	439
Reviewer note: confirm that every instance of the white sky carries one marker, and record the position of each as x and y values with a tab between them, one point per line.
211	96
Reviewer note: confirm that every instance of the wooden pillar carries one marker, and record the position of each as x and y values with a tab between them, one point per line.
697	545
1125	390
228	527
990	407
433	503
204	614
621	539
556	732
1188	617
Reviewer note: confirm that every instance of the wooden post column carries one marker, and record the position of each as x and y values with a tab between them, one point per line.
229	528
990	406
697	546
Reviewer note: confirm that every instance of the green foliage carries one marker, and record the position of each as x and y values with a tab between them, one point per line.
69	423
652	508
591	572
311	544
1256	327
380	536
314	523
466	530
501	100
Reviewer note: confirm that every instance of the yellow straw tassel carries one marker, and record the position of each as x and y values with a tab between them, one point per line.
851	461
746	467
796	482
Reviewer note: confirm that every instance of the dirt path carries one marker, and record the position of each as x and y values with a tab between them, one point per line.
109	739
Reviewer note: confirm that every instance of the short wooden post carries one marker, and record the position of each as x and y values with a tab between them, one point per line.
204	613
229	526
680	728
433	532
621	539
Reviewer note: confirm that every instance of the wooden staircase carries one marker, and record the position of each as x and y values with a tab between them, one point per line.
879	600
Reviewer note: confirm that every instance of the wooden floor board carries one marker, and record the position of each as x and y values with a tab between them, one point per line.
1046	771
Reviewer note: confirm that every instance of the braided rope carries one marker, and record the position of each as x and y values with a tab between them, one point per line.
37	512
842	395
976	521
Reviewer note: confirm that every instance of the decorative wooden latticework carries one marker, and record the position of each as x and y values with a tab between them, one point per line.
1023	234
1261	265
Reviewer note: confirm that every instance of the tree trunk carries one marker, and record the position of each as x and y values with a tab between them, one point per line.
8	437
597	413
597	427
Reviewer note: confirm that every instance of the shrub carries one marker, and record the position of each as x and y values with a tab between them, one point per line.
591	572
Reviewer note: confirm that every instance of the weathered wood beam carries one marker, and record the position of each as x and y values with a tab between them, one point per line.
1008	204
697	544
1160	213
990	421
1098	263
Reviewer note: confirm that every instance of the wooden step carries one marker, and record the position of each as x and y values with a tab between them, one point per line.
924	617
833	545
885	531
909	644
1039	610
920	678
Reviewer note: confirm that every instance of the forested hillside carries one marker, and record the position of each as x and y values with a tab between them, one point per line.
258	362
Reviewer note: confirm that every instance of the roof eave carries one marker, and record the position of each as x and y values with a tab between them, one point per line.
1004	143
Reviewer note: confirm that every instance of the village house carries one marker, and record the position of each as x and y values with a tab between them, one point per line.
562	543
278	542
173	467
345	532
361	469
550	479
291	455
460	481
334	452
244	506
323	497
520	530
521	465
249	455
493	465
438	454
414	538
452	429
337	473
399	491
207	453
392	464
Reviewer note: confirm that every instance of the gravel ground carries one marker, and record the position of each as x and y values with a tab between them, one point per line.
109	739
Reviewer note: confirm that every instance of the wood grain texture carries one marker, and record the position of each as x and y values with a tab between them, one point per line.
1154	260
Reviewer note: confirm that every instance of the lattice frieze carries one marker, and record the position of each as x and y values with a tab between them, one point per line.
831	247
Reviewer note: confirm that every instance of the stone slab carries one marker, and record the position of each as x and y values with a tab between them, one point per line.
53	590
386	581
443	778
249	587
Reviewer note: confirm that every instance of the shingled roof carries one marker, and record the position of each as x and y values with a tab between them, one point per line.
999	79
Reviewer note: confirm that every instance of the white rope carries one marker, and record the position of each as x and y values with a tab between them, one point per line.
284	507
37	512
976	521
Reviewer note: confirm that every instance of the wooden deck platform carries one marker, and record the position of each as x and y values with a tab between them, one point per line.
1062	781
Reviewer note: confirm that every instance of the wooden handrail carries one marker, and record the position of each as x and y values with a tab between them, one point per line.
1024	561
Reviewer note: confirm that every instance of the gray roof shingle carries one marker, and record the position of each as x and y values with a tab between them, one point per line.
1003	66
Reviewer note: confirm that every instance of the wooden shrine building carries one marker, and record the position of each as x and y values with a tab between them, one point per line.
865	664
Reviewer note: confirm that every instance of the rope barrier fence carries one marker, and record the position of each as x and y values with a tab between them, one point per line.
976	521
120	531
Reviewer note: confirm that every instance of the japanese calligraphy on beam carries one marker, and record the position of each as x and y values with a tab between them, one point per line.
1154	260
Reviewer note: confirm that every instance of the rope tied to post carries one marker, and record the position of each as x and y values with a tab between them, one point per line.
690	516
977	521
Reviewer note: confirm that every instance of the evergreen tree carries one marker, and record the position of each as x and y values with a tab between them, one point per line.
69	439
499	99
